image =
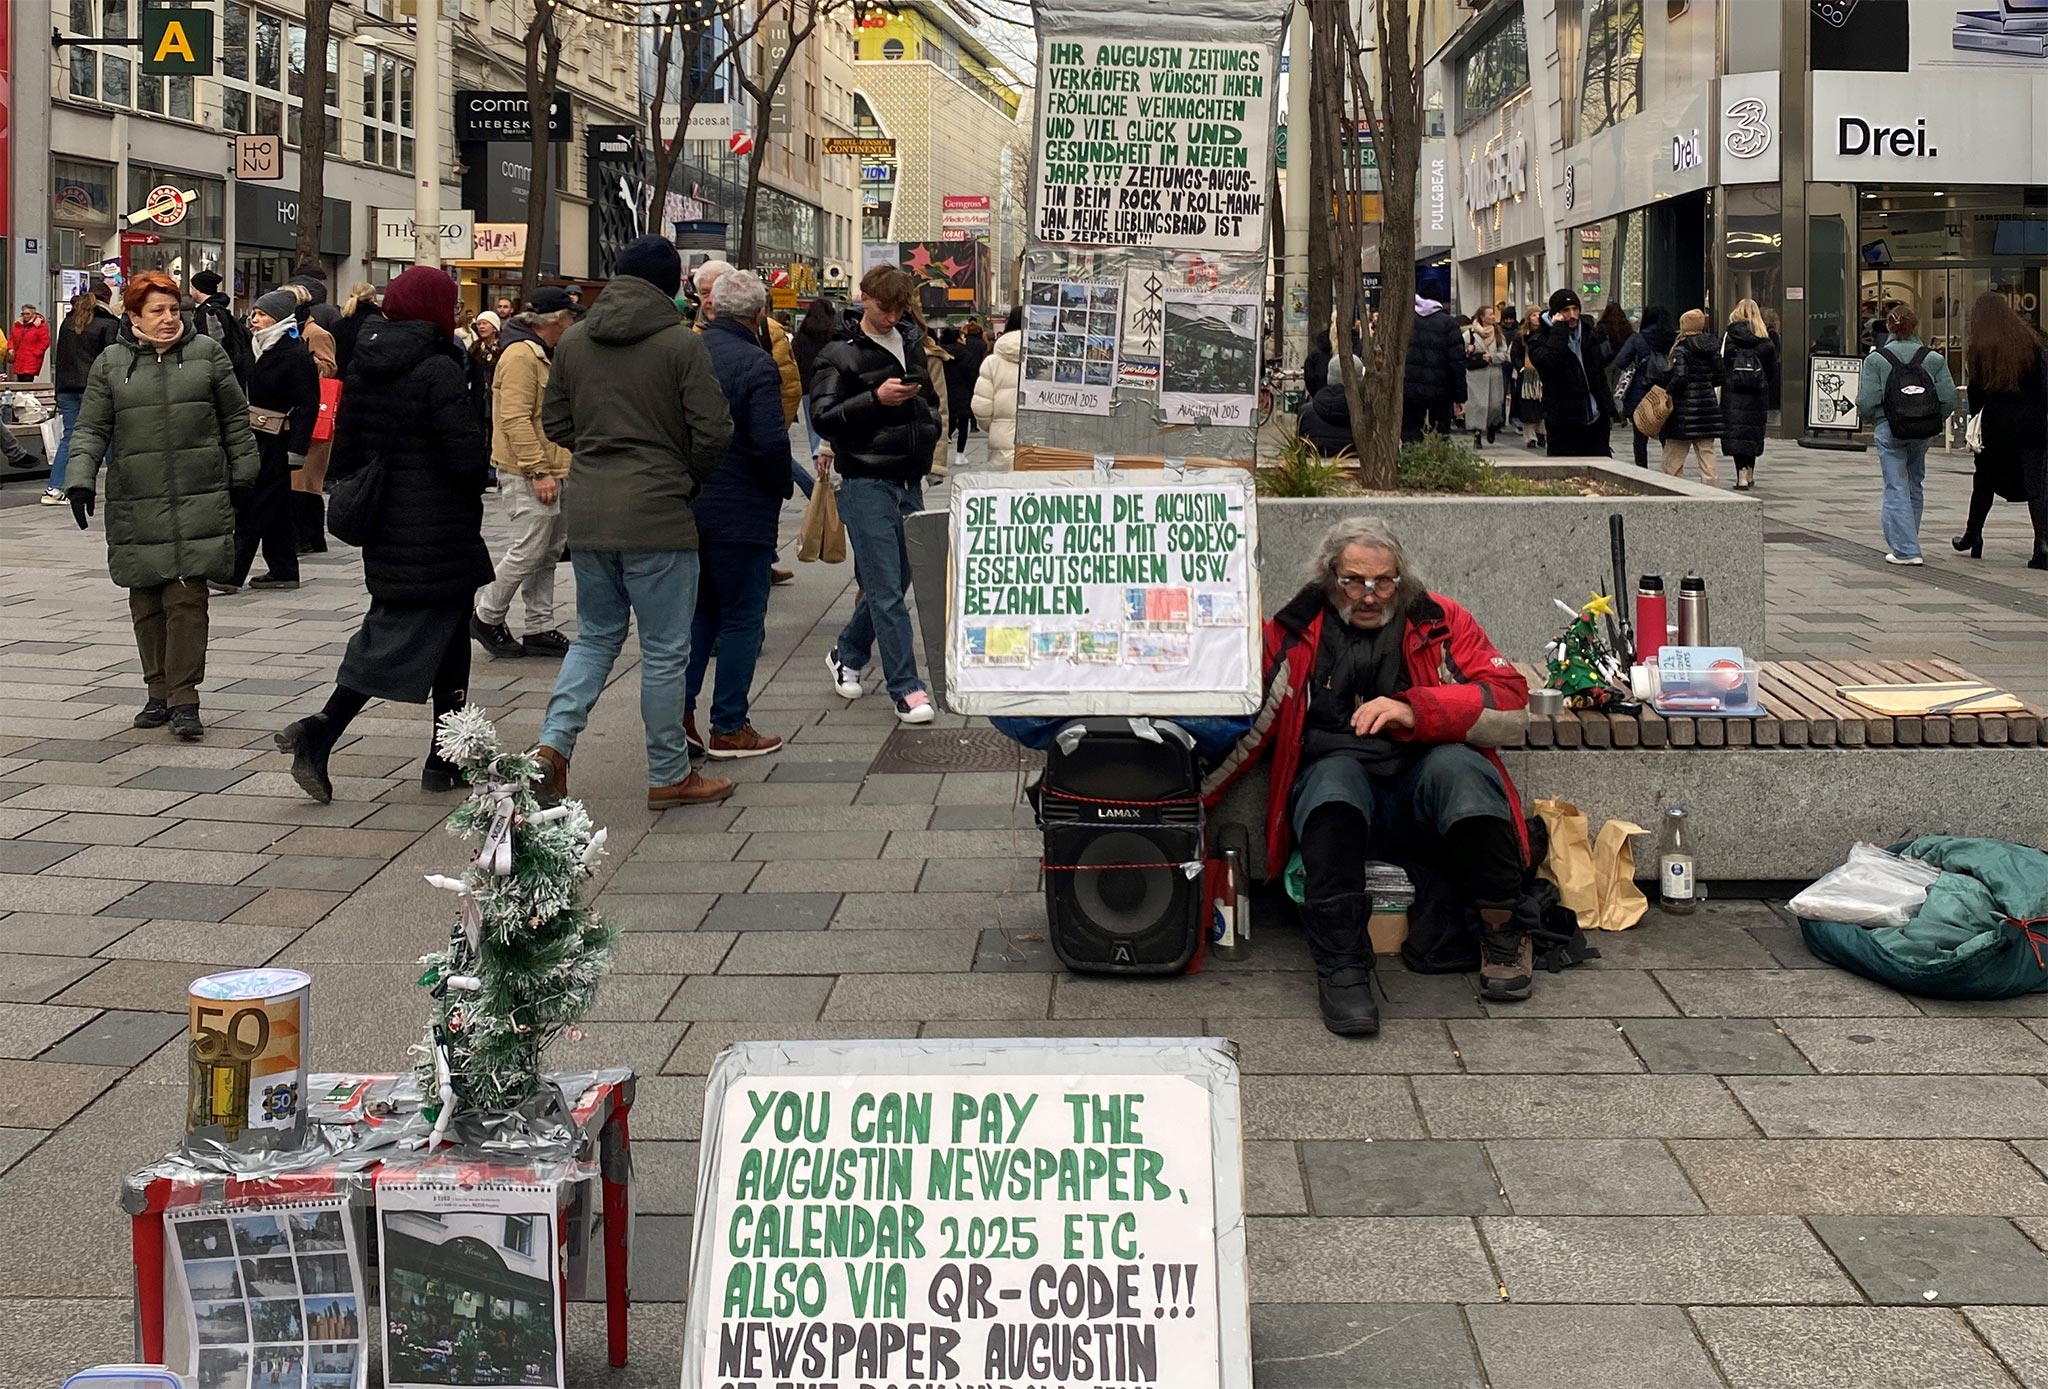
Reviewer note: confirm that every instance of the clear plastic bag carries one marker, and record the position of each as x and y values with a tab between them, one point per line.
1874	888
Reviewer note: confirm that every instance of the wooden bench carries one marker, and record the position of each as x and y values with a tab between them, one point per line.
1780	797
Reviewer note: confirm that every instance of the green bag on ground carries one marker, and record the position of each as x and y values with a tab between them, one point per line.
1982	934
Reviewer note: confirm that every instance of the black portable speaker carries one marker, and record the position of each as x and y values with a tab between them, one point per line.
1121	815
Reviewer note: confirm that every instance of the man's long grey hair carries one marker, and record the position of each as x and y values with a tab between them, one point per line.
1372	532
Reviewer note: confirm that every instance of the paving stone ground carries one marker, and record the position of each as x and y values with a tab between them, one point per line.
1705	1160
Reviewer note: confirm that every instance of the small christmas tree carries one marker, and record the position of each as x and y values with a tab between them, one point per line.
525	955
1583	666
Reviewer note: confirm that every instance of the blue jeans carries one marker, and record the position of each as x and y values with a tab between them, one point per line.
68	403
817	439
613	588
1905	467
801	476
873	511
732	605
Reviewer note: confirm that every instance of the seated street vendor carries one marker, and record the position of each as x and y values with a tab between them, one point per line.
1390	700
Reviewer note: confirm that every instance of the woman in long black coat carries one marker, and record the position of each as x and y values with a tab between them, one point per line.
1749	361
405	410
2009	393
1695	421
284	401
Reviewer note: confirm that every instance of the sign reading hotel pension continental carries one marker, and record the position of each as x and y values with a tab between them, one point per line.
865	148
1154	144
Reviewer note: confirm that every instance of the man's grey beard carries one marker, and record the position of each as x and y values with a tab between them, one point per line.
1346	606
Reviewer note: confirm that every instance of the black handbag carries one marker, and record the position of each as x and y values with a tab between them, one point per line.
355	504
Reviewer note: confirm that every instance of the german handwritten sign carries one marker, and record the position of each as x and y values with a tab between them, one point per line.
1154	144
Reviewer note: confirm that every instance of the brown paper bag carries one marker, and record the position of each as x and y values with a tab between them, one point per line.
824	537
1596	881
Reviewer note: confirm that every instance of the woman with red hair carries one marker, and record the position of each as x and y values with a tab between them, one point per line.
162	407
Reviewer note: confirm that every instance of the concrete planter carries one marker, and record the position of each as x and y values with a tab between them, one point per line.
1505	558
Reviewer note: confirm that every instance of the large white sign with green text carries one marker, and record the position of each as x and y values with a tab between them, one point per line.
1154	144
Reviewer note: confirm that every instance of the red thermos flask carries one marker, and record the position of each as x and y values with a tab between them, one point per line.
1651	613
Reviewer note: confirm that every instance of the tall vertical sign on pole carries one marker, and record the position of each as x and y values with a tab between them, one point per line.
430	102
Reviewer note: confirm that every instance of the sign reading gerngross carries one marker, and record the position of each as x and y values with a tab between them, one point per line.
482	116
1165	145
915	1213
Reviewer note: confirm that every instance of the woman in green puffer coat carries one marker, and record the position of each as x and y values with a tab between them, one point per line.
165	402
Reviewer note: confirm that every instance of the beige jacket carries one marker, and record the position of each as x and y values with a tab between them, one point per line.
517	444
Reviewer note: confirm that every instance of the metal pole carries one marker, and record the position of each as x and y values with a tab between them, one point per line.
33	273
428	102
1301	194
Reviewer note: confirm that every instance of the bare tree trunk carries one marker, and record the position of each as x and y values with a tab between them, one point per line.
799	34
1390	113
313	134
1322	275
543	65
673	52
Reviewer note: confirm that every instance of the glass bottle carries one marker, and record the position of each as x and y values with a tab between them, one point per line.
1677	890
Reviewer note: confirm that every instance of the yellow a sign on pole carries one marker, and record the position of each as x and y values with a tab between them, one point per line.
177	42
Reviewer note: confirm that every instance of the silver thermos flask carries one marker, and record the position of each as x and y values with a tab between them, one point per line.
1692	612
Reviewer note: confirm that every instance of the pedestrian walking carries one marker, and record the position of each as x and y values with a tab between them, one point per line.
28	343
404	411
776	339
1577	407
213	316
284	401
311	278
961	371
85	333
1749	361
531	468
483	365
633	397
995	391
163	410
309	483
1906	391
736	514
1527	381
1645	361
1486	352
1696	420
359	309
2008	372
1614	332
1435	383
874	400
937	364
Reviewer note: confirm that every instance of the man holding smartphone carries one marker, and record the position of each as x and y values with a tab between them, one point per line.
873	398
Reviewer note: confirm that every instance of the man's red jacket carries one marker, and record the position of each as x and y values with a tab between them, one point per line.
30	341
1461	689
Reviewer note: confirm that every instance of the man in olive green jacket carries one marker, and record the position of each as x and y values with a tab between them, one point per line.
163	407
633	397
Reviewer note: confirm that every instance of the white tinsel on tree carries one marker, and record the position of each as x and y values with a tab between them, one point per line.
525	955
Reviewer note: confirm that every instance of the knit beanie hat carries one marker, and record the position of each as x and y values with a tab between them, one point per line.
1690	322
422	294
281	304
207	282
653	259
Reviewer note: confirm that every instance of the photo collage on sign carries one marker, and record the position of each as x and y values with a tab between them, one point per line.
1070	344
470	1286
275	1297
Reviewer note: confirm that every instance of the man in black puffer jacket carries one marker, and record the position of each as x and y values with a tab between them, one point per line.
1435	381
873	398
1577	409
1326	421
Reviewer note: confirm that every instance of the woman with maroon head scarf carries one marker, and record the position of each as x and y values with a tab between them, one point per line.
405	410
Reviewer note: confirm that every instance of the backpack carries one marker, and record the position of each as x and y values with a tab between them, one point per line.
211	320
1912	406
1745	370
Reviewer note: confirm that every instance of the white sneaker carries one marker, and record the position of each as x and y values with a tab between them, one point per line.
52	497
1890	558
915	707
845	679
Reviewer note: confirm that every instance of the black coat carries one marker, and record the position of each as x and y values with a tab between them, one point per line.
1315	368
870	439
76	351
2015	429
1566	382
1326	421
1695	372
1436	359
962	367
404	404
345	334
1744	413
285	379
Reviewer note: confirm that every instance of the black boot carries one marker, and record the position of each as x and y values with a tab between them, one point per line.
309	521
440	775
309	741
1337	939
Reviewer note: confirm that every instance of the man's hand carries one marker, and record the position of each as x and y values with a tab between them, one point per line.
1380	716
81	504
896	391
547	491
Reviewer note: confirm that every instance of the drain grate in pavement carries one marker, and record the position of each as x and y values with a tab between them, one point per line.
951	750
1968	585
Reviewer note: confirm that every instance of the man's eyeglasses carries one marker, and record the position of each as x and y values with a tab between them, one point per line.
1358	586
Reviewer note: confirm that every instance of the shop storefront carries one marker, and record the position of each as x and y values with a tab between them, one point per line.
82	222
267	231
195	242
1497	151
